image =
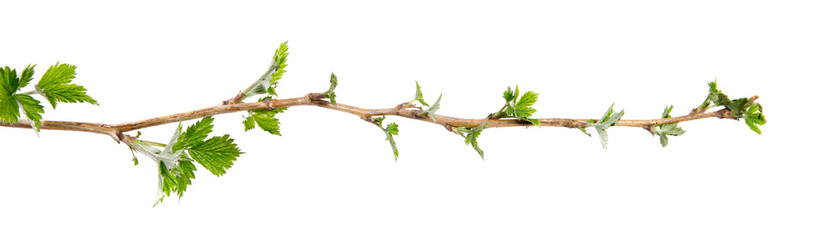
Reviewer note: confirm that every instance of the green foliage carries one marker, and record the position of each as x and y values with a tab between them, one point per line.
331	93
740	108
266	84
32	109
266	120
56	86
665	130
175	160
9	84
754	117
517	106
609	119
434	108
471	135
419	96
391	130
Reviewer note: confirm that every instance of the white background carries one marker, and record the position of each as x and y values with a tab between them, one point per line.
332	176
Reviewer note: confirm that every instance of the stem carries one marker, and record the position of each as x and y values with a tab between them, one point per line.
314	99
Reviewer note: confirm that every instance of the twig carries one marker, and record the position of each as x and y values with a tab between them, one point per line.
314	99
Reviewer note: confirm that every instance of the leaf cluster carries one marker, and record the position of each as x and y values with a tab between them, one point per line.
518	106
743	108
266	84
610	118
431	110
390	130
665	130
55	86
471	135
331	93
265	119
175	160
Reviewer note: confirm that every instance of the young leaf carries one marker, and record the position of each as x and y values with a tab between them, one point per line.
267	82
754	117
194	134
32	108
609	119
471	137
56	86
665	130
331	93
216	154
9	84
434	108
418	95
390	131
26	76
519	107
265	119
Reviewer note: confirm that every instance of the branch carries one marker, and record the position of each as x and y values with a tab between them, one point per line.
315	99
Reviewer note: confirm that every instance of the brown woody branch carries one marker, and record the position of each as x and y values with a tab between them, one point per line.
316	99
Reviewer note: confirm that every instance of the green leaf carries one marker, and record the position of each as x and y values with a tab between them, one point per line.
665	130
610	118
194	134
331	93
390	131
56	86
266	84
9	80
265	119
9	109
517	106
434	108
26	76
754	118
471	137
216	154
32	109
418	95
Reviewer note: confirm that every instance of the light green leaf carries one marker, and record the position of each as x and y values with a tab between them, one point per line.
754	117
610	118
194	134
56	86
32	109
265	119
434	108
331	93
216	154
26	76
9	84
665	130
419	96
471	137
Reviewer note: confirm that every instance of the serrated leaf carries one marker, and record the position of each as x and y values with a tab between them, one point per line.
610	118
32	109
265	119
215	154
56	86
9	80
9	109
419	96
665	130
392	130
754	118
472	135
508	95
26	76
249	122
527	100
331	93
194	134
434	108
